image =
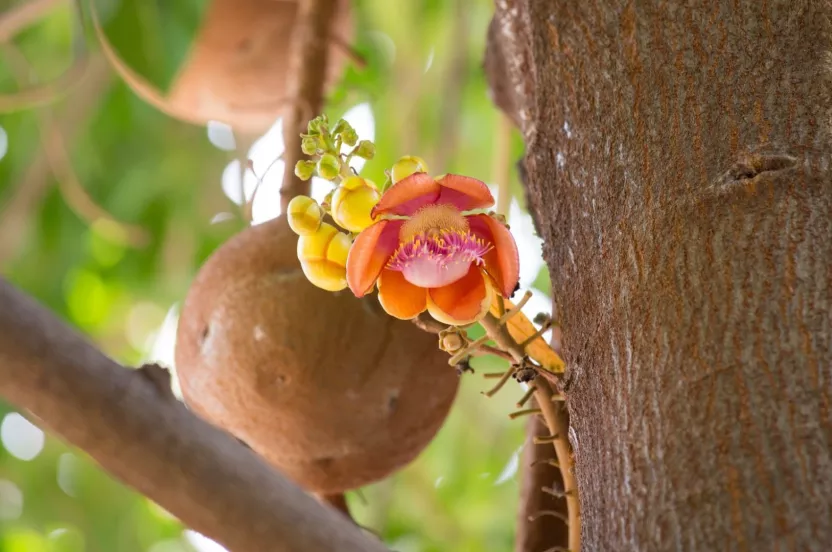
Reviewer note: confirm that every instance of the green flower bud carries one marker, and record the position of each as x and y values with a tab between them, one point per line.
349	136
329	166
305	169
309	145
340	126
318	125
366	149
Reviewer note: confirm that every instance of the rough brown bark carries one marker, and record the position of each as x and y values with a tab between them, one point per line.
131	424
678	161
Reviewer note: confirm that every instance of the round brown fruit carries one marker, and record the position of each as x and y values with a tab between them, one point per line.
326	387
236	70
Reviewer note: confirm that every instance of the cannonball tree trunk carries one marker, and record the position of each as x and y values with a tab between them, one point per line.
678	166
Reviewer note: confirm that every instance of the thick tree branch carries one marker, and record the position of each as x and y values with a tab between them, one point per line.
140	434
307	75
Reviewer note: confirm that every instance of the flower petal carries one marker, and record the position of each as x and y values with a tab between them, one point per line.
503	261
369	253
464	192
398	297
408	196
463	302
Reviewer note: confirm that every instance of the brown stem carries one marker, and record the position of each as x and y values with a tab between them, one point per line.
153	443
501	171
307	72
556	420
23	14
336	501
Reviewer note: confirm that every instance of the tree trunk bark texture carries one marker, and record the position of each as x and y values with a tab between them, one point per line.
678	167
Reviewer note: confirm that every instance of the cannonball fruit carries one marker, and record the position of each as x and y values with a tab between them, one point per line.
236	70
326	387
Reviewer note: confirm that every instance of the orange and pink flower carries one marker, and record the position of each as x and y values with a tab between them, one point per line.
428	251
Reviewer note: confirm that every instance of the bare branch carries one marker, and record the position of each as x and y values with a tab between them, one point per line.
23	14
154	444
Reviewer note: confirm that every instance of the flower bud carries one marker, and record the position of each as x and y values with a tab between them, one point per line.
305	169
406	166
309	145
366	149
329	166
349	136
340	126
352	203
323	257
317	125
304	215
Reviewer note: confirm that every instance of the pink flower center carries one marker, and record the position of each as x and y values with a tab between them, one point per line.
436	258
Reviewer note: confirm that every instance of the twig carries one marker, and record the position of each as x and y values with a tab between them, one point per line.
120	419
553	513
39	94
503	379
526	397
554	414
23	14
308	59
18	208
501	172
558	422
58	158
526	412
336	501
354	55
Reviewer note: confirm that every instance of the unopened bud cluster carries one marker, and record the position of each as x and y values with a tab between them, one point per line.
323	247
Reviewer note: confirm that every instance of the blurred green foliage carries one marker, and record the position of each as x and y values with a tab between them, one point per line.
164	176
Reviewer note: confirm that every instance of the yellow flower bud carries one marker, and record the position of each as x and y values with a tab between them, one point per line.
323	257
352	202
406	166
304	215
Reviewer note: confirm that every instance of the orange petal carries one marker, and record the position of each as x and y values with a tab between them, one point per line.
408	196
502	262
464	192
398	297
369	253
462	302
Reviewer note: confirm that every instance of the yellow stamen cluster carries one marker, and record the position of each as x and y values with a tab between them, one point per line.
352	203
431	219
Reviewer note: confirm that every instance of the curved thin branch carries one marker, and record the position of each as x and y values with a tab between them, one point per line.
54	146
39	94
19	205
136	430
21	15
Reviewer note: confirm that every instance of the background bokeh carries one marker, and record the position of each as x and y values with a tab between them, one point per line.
168	194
